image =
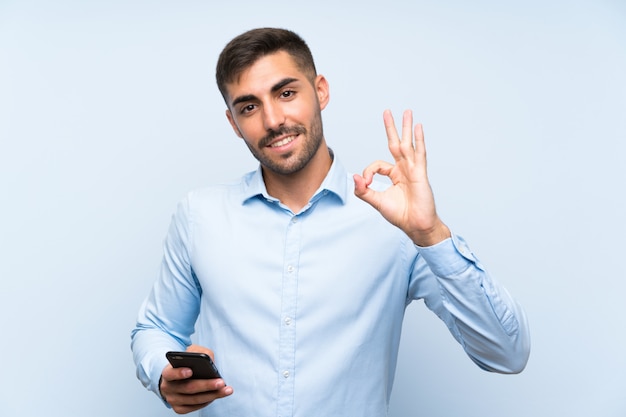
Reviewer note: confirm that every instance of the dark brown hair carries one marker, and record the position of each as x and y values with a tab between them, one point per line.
244	50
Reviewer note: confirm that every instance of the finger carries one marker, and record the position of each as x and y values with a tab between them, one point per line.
419	138
362	183
196	402
407	134
390	125
186	409
200	386
175	374
362	191
393	141
377	167
187	402
361	186
420	146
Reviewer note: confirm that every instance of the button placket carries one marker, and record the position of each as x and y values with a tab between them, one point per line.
287	341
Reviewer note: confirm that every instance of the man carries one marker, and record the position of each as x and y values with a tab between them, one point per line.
299	286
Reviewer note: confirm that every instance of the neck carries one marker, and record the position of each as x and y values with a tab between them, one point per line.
295	190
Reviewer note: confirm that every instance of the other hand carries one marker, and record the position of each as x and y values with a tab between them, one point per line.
408	203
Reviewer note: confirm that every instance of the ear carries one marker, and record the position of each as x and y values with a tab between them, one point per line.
233	124
322	90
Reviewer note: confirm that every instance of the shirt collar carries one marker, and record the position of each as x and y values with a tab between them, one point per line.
335	183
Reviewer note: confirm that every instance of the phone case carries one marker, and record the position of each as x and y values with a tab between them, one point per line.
200	363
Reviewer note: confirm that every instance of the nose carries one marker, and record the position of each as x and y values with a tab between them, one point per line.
273	116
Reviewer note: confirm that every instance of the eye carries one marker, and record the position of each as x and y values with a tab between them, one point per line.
247	108
287	93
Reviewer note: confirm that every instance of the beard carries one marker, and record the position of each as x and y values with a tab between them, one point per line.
291	162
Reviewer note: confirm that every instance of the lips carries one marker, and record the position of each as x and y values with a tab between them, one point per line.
282	136
282	142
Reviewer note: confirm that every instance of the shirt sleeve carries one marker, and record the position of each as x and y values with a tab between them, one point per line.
479	312
167	316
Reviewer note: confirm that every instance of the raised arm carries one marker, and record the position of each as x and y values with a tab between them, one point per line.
479	312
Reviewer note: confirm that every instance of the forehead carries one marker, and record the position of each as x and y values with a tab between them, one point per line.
264	74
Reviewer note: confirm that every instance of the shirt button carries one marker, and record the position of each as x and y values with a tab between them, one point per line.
294	219
290	268
286	374
287	321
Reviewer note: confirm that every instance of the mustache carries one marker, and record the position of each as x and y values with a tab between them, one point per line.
283	131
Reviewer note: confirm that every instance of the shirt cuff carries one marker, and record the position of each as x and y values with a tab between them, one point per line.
449	257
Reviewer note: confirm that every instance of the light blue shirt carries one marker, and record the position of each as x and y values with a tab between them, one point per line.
304	310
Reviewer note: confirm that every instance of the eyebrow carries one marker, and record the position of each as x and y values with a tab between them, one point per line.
275	88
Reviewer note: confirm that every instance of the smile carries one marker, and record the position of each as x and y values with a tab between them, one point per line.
282	142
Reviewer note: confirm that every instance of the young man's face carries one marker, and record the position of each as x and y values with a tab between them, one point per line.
277	111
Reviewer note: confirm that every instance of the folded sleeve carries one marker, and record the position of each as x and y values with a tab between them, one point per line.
167	316
479	312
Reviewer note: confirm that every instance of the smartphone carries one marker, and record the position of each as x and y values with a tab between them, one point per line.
200	363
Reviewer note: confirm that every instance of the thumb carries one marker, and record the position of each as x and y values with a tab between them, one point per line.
362	190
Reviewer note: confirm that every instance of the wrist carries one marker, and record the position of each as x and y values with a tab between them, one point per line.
161	392
431	237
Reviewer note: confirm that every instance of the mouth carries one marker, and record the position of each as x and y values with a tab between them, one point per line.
282	142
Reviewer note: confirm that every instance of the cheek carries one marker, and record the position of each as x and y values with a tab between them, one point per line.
250	132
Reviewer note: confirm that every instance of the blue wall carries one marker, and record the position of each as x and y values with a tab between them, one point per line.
109	114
